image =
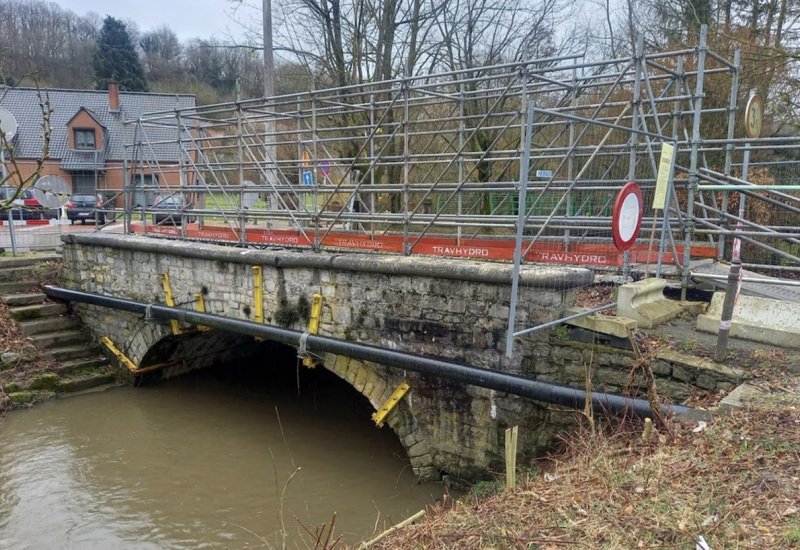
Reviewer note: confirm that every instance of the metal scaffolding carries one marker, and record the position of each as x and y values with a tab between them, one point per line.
433	164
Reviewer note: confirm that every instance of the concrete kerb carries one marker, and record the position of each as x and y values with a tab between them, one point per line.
644	302
555	278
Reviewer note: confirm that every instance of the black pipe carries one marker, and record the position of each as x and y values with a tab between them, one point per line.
476	376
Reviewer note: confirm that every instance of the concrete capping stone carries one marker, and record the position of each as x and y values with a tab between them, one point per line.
644	301
758	319
613	326
540	277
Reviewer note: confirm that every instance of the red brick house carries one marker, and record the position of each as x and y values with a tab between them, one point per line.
89	141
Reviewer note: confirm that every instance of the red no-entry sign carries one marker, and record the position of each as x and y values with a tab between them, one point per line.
627	217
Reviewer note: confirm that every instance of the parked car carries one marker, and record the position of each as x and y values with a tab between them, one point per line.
26	207
168	209
83	206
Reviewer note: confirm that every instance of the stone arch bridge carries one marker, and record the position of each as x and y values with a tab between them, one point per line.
455	310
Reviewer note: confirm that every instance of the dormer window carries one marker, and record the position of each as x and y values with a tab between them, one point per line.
84	139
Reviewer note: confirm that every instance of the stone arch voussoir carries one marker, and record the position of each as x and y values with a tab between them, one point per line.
377	383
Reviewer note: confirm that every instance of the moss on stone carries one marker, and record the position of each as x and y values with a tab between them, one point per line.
12	387
27	398
47	381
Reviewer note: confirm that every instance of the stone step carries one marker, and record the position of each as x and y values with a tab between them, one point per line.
87	382
67	353
17	273
38	311
28	260
49	340
78	366
49	324
25	299
15	287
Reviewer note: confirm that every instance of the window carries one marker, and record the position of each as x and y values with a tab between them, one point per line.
84	139
144	180
84	182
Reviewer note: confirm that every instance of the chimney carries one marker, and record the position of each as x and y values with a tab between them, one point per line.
113	97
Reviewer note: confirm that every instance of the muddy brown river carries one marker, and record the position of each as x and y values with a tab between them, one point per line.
223	458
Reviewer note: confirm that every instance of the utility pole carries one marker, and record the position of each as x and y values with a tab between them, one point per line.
270	159
269	63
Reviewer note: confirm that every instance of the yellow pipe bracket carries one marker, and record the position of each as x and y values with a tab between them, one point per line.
201	308
176	328
313	325
380	415
106	341
258	291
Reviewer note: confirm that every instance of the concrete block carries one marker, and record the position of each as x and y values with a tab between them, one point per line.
603	324
693	308
644	302
758	319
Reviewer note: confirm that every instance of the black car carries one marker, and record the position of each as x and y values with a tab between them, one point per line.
25	206
168	210
85	207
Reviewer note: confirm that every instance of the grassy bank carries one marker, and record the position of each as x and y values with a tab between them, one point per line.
734	482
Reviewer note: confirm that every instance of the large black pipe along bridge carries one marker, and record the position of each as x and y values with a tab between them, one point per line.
311	343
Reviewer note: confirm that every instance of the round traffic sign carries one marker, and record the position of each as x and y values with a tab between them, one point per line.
325	168
627	217
753	116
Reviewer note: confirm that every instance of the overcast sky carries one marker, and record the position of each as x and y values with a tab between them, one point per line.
188	18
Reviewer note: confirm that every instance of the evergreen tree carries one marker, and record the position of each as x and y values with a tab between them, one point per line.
116	60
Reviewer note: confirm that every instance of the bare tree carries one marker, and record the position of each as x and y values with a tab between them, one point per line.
14	176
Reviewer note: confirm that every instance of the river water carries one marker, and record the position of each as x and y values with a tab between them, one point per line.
222	458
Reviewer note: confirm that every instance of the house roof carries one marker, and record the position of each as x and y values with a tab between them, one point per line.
90	113
24	103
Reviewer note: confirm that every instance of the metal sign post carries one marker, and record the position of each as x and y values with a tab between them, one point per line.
753	116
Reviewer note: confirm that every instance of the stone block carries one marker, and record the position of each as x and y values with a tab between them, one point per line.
704	373
739	397
644	302
764	320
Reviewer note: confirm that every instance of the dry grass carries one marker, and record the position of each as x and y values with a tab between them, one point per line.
735	482
595	296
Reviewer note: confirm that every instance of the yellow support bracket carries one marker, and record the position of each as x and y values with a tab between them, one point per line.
313	325
380	415
105	340
176	328
201	308
258	291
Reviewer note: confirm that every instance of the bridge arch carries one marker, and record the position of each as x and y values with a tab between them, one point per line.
155	347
